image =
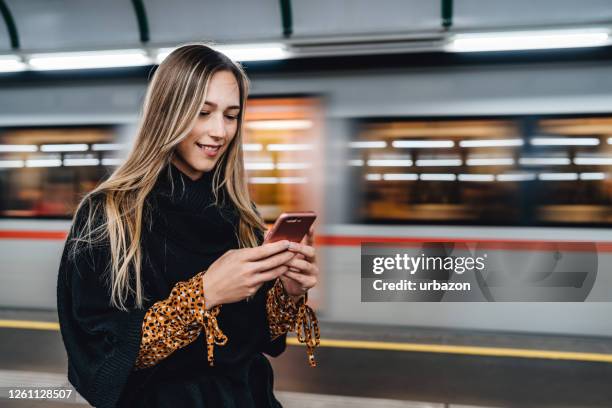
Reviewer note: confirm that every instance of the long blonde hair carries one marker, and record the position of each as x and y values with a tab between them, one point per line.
172	104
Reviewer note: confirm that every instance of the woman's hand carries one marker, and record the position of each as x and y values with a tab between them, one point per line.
239	273
303	272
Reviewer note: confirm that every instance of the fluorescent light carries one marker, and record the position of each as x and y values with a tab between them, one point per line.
423	144
564	141
355	162
89	59
111	161
11	63
43	163
476	177
499	161
437	177
438	162
544	161
252	147
400	176
279	124
516	177
263	180
610	140
528	40
6	164
293	166
557	176
254	52
368	145
242	52
592	176
81	162
595	161
292	180
18	148
491	143
373	177
76	147
288	147
278	180
104	147
259	166
390	163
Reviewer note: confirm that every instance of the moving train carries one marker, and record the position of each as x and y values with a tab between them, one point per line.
511	152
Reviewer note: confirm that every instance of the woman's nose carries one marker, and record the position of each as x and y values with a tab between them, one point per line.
217	127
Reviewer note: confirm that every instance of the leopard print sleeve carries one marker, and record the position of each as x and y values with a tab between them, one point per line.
176	322
285	315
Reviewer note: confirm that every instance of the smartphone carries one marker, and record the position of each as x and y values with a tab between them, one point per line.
291	226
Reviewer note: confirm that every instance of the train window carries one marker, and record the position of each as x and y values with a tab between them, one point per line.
508	171
282	154
45	171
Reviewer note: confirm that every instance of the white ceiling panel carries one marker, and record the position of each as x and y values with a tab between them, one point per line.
79	24
347	17
475	14
224	21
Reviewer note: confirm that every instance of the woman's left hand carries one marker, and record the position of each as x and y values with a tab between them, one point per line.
303	272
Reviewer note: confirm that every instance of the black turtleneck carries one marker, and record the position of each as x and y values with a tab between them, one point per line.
184	231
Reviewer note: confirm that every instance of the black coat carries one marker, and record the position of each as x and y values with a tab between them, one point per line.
183	233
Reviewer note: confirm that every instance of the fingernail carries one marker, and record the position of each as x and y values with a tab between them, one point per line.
293	245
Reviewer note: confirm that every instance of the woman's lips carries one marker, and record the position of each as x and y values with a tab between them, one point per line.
209	150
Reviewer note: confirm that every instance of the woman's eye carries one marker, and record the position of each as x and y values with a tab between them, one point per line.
230	117
204	113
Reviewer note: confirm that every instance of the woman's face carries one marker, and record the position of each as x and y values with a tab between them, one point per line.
214	129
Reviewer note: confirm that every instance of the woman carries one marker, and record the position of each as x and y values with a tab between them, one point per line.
166	294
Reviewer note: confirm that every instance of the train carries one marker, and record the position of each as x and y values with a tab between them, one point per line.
338	141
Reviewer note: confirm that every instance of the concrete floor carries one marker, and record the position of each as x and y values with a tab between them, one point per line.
373	378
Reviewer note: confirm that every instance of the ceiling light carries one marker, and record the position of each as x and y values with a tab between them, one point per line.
423	144
242	52
11	63
499	161
390	163
437	177
18	148
528	40
564	141
379	144
279	124
76	147
491	143
544	161
89	59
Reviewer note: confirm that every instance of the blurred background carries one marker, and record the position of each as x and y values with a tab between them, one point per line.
393	120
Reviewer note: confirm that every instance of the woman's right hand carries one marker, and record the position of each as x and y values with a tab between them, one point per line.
239	273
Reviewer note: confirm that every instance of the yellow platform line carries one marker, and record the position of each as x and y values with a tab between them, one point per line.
28	324
391	346
465	350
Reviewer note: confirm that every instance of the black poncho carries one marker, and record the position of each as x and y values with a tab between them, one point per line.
183	233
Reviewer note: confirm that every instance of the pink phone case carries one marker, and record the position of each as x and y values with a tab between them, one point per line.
291	226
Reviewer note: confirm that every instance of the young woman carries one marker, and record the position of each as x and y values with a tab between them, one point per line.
166	294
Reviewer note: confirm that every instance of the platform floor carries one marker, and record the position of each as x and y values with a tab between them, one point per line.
373	366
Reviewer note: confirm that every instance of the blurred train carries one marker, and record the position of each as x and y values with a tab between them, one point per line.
505	152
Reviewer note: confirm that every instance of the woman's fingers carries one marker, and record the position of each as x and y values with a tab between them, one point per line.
305	281
306	250
271	274
302	266
309	237
265	250
271	262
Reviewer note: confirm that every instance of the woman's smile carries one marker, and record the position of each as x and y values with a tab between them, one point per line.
209	149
